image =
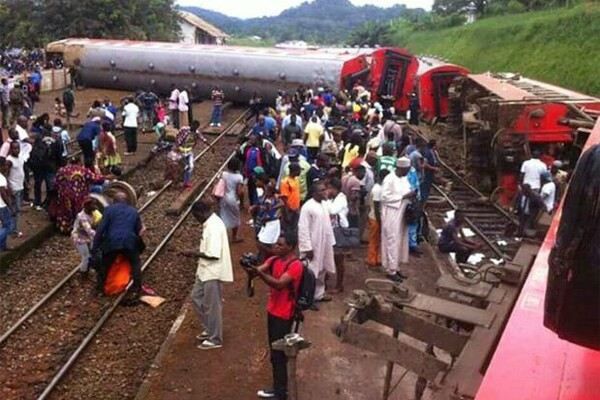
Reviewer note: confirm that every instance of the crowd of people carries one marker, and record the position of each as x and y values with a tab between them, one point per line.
317	175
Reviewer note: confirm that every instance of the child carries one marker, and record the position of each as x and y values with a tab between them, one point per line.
16	177
59	107
108	150
83	233
186	141
266	216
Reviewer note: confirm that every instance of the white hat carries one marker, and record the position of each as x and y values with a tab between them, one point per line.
374	143
297	142
403	162
557	164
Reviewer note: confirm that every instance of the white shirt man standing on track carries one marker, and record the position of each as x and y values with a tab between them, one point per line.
532	170
214	268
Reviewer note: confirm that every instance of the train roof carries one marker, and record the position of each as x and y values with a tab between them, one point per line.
515	88
427	64
60	46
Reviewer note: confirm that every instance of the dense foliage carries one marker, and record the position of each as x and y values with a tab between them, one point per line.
33	23
319	21
557	46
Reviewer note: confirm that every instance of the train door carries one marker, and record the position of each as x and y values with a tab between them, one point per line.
393	71
441	85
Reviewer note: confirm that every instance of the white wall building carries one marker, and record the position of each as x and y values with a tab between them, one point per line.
195	30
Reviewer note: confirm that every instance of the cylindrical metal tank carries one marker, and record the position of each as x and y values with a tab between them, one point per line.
239	71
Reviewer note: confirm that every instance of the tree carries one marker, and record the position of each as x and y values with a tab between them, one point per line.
370	34
32	23
448	7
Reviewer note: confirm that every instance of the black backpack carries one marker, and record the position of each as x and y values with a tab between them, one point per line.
68	98
305	298
41	152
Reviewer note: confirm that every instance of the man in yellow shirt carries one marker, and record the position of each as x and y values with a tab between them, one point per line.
314	135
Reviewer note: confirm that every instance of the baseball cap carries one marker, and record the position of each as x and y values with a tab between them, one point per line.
258	170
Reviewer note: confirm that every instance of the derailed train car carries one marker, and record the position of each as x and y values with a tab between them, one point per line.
239	71
504	118
432	86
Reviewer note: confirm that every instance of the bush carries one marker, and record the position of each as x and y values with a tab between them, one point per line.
515	7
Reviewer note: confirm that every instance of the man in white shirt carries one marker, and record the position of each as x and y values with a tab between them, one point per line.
548	192
6	210
130	124
396	194
174	106
183	108
214	268
532	170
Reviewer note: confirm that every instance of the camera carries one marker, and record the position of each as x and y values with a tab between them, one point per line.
249	260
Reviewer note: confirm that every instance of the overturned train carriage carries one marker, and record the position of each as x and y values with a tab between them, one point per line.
240	71
504	117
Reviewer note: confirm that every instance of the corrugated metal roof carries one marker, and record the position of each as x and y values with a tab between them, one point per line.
199	23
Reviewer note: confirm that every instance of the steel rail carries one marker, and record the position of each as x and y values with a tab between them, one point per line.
478	231
90	336
464	182
73	272
68	277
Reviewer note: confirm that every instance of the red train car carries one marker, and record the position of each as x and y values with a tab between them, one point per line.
506	117
532	362
393	71
433	81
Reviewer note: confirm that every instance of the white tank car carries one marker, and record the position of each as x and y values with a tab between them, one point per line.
239	71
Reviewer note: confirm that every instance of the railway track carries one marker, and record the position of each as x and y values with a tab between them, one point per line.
484	219
54	326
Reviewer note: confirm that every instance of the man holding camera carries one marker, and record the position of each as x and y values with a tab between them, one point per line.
214	268
283	273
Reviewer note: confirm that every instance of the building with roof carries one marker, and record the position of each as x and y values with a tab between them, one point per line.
195	30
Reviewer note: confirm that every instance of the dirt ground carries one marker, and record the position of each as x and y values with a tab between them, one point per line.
327	370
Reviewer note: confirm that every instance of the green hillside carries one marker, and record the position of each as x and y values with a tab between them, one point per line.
560	46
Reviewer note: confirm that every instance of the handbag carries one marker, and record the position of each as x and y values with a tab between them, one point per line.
412	214
219	189
346	237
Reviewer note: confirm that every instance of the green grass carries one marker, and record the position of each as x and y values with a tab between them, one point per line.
561	46
247	42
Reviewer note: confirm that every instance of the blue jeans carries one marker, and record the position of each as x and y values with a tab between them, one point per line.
189	167
17	205
412	235
216	115
38	178
7	226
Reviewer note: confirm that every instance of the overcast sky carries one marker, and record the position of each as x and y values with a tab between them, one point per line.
259	8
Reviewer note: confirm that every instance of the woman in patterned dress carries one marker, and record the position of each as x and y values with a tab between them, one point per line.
72	185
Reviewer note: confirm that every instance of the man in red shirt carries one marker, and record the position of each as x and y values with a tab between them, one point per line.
283	273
